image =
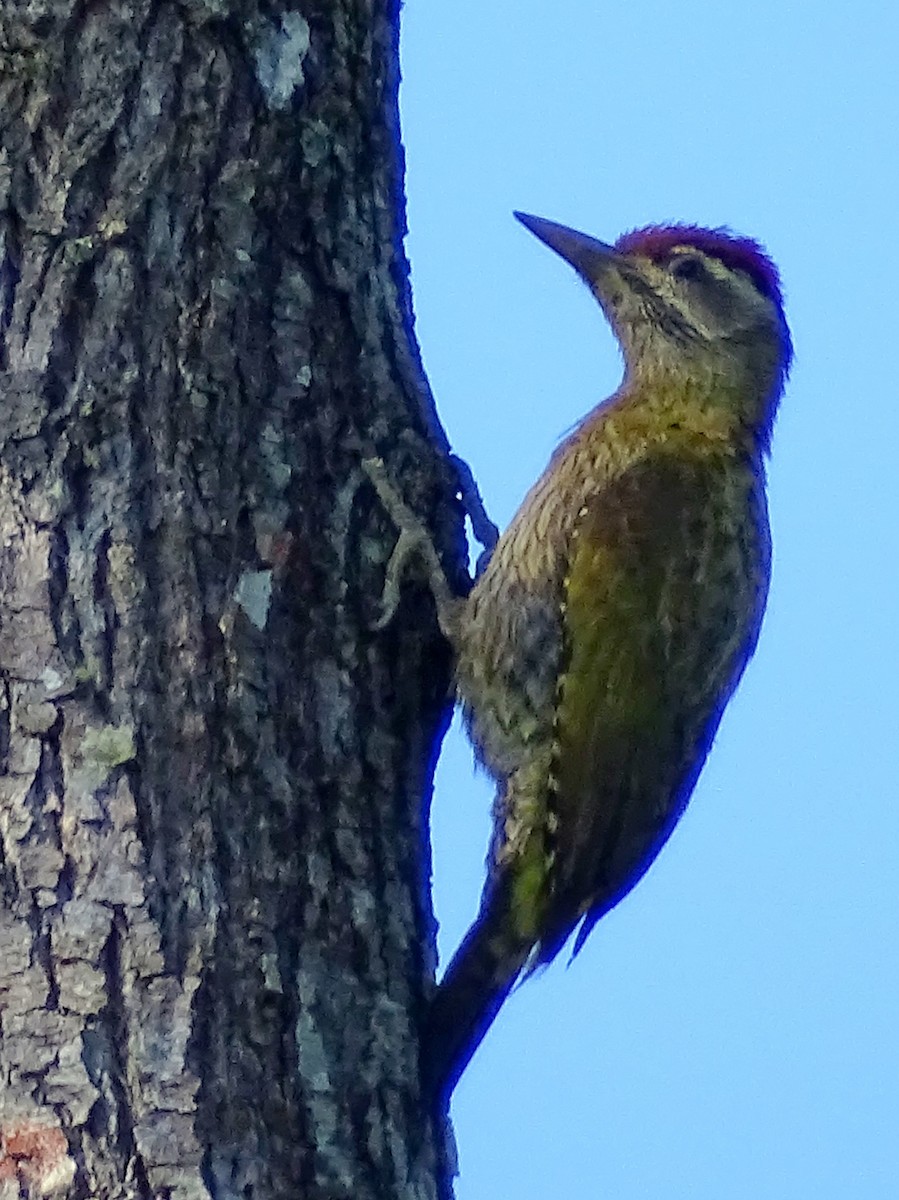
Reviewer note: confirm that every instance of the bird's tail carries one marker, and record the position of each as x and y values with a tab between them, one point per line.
481	974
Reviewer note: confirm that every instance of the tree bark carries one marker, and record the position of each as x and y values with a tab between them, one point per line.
216	936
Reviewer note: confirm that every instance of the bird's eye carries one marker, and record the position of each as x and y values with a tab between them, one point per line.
687	267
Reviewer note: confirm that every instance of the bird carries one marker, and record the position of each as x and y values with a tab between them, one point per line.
597	650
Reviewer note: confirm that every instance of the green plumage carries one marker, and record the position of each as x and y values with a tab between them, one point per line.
598	649
666	588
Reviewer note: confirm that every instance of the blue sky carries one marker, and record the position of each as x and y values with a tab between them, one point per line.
730	1030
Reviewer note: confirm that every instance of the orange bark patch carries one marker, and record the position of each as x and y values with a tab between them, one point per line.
38	1154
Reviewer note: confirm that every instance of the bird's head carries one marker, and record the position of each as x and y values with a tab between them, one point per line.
685	300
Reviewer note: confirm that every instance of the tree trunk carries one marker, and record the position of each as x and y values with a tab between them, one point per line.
215	927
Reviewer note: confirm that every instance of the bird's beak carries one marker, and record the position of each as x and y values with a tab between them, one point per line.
589	257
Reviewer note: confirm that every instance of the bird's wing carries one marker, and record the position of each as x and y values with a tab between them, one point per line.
663	598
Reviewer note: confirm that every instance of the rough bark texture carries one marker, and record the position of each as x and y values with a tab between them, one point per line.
215	925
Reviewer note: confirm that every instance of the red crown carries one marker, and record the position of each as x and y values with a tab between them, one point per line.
738	253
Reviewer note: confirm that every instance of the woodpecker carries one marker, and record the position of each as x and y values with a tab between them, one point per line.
600	645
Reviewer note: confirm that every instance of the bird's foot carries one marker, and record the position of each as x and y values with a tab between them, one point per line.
414	542
481	526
